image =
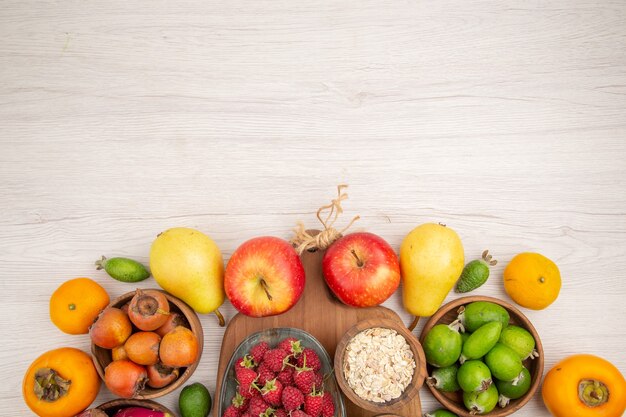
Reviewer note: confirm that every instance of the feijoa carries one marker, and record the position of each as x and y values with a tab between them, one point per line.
520	340
504	363
475	314
442	345
481	341
474	376
123	269
475	273
440	413
444	379
481	402
465	336
512	390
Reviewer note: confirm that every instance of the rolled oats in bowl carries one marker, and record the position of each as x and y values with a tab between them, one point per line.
378	364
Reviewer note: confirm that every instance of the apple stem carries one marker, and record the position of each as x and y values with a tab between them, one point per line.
220	317
266	289
413	323
359	262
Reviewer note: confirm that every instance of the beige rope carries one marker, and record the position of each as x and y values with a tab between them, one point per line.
303	240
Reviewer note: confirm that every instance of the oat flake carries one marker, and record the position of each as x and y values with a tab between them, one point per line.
378	364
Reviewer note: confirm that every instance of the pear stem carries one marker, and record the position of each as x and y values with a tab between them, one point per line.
222	322
413	323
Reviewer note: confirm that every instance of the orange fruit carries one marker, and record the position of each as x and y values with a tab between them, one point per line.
179	348
76	303
532	280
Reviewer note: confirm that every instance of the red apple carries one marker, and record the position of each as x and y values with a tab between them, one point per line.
361	269
264	277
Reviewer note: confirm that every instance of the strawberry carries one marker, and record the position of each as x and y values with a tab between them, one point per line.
292	398
286	376
231	411
272	391
259	407
258	351
328	406
291	345
313	403
304	380
265	374
275	359
309	358
247	386
240	403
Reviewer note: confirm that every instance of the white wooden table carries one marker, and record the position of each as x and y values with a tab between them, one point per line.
505	120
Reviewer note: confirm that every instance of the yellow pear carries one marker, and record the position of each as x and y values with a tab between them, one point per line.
189	265
431	261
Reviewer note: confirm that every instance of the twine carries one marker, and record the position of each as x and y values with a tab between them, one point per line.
303	240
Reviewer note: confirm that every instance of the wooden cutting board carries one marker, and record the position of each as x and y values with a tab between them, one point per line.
318	313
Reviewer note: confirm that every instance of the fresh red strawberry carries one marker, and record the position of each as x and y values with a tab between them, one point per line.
291	345
247	378
304	380
272	391
310	359
275	359
292	398
299	413
231	411
328	406
258	351
258	407
265	374
240	403
286	376
313	403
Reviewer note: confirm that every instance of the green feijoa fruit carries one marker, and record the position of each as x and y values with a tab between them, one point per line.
444	379
440	413
504	363
442	345
481	402
475	273
474	376
512	390
520	340
475	314
194	401
481	341
123	269
465	336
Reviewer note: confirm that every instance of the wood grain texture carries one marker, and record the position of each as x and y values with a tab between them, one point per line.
504	120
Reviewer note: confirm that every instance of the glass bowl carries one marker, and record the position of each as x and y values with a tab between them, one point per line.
272	337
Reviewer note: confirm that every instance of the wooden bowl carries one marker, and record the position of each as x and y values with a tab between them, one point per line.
418	375
112	407
102	357
453	401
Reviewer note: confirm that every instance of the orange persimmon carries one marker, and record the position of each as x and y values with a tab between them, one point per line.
584	386
60	383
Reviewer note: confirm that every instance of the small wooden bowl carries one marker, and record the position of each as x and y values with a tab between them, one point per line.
418	375
453	401
112	407
102	357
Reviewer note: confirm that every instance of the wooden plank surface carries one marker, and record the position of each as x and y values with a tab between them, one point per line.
504	120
